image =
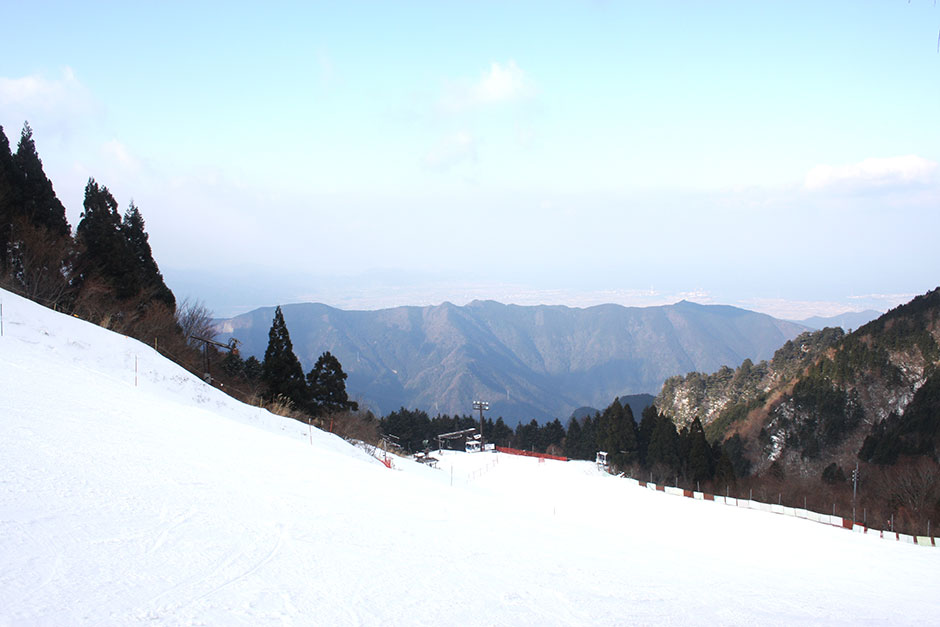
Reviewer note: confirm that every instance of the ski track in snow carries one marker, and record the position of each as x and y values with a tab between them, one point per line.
167	502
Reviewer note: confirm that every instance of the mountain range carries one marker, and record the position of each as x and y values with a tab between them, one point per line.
848	321
528	362
827	397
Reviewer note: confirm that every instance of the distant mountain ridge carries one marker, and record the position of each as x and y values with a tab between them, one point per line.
848	321
538	362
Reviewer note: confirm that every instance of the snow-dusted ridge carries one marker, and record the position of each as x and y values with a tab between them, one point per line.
163	501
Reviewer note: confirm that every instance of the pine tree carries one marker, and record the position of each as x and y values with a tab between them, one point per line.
589	437
663	452
699	456
553	434
9	189
39	202
645	432
573	439
724	472
35	237
148	275
104	252
253	369
501	432
527	436
327	384
281	372
618	434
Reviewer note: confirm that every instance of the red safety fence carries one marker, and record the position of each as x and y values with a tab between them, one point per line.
515	451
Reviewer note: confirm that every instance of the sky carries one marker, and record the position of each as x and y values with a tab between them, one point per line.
778	156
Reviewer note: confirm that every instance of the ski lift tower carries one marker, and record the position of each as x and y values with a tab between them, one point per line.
231	347
482	406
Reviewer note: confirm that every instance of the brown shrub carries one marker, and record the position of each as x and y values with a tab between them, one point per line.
37	264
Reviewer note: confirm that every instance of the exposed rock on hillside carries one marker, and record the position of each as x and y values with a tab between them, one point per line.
822	393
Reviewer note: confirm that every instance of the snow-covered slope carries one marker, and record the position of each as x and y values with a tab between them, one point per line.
152	498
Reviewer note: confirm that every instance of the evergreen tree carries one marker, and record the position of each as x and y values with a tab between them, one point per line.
148	275
9	189
327	384
663	452
411	427
488	427
35	238
232	364
104	252
699	456
617	434
117	252
684	445
645	432
501	432
253	369
281	371
39	202
527	436
734	448
724	472
573	439
589	438
553	434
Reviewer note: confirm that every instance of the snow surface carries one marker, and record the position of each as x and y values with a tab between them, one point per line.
152	498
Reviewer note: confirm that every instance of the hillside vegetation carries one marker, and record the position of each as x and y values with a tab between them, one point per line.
828	401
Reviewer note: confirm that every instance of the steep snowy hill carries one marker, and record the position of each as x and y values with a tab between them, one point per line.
136	495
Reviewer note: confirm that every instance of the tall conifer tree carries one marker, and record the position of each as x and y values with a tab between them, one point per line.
39	202
700	453
145	267
327	384
9	189
281	371
573	439
663	452
34	233
104	252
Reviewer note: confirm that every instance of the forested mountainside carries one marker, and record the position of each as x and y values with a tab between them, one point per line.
826	397
724	397
529	362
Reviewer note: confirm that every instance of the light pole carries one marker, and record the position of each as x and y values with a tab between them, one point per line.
482	406
854	490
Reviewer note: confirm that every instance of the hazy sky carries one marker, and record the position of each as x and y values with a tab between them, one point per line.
781	156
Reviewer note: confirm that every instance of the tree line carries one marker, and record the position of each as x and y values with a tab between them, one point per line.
104	272
654	447
280	376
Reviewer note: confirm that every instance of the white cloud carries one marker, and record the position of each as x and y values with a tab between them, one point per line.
875	172
46	103
451	150
119	153
881	302
501	83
